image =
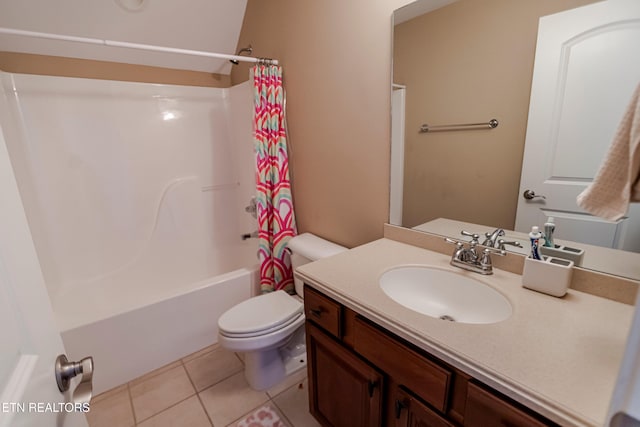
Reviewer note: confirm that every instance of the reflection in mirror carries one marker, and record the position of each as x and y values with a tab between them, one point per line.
471	61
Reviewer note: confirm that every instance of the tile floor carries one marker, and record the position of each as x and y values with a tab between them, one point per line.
204	389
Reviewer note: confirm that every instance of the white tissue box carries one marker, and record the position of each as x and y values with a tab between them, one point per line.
551	276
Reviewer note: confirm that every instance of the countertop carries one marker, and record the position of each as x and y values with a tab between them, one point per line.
558	356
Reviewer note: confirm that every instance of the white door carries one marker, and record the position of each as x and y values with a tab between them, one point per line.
30	340
586	68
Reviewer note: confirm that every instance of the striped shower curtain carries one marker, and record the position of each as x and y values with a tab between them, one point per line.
276	220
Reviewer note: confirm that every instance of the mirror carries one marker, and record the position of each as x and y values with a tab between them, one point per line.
470	61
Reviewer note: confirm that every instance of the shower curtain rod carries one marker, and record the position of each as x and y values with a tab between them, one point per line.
139	46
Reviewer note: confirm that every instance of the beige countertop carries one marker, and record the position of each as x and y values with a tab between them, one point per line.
558	356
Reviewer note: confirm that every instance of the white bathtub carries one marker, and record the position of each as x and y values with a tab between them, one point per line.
136	340
165	302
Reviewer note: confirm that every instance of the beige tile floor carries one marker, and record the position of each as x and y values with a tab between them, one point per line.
204	389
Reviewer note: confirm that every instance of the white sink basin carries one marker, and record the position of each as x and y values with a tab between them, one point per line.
445	294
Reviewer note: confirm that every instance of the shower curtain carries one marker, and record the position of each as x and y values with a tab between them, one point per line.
276	219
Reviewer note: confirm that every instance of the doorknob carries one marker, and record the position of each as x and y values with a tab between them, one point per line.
530	194
66	370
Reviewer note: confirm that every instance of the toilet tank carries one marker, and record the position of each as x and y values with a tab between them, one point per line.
306	248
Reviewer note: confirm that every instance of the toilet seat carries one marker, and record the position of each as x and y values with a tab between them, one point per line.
260	315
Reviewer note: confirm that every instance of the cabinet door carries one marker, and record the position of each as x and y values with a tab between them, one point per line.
410	412
344	391
486	409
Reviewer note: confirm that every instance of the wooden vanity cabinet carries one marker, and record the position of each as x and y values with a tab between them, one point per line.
362	375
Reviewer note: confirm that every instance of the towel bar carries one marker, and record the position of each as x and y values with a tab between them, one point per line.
493	123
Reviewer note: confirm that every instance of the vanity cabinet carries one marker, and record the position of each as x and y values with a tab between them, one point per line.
362	375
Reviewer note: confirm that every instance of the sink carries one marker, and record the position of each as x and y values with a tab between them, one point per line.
445	294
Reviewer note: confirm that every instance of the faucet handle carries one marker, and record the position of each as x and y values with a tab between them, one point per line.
459	253
475	238
458	243
502	243
485	260
488	251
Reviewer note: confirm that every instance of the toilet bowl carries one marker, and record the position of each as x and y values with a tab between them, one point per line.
269	329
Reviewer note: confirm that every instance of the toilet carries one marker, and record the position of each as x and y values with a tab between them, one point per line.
269	328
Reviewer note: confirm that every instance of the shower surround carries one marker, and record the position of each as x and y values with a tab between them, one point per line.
135	195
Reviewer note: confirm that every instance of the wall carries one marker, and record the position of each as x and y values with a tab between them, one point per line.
126	184
468	62
70	67
336	60
206	25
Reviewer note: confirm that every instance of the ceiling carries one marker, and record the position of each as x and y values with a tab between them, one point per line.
204	25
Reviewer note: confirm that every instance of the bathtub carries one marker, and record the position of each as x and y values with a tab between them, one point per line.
137	338
135	195
164	303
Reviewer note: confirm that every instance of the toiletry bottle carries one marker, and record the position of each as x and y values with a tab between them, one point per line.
535	236
549	228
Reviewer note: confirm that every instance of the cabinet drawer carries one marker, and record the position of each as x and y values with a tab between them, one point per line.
323	311
409	368
486	409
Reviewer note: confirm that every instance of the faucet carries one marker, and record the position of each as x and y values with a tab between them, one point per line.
468	257
492	238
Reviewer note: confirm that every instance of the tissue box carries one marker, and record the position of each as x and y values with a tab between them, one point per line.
551	276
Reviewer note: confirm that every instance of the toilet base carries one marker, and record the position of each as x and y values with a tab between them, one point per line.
264	369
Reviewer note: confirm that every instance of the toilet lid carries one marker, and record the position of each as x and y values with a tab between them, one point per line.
260	314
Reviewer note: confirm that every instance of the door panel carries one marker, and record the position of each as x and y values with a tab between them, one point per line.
343	389
27	381
584	75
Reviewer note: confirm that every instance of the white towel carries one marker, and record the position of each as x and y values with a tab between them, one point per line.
617	182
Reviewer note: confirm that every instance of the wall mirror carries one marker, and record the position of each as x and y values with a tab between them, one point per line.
471	61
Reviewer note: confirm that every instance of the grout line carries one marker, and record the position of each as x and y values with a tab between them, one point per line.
240	359
169	407
184	366
273	402
154	373
133	410
204	409
174	404
198	392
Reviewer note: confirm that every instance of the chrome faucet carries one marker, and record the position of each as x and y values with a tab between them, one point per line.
468	257
493	241
492	238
